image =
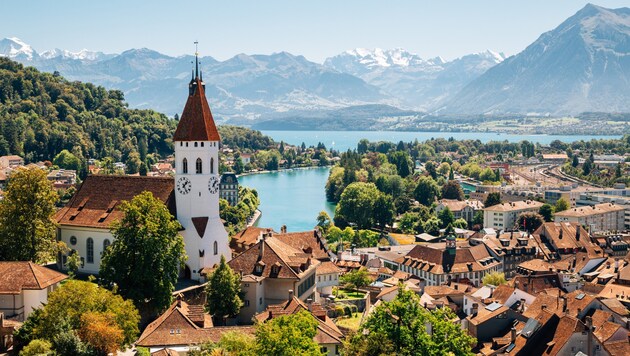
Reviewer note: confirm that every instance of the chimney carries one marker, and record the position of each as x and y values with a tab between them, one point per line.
512	335
511	235
290	294
179	300
543	307
577	233
261	249
309	302
283	229
564	304
561	234
616	265
475	309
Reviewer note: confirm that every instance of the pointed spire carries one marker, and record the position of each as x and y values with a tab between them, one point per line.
196	60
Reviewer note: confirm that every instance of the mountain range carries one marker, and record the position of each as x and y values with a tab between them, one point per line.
582	65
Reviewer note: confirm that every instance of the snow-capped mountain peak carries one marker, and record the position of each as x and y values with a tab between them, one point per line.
13	47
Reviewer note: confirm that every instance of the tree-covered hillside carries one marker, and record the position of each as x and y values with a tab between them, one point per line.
42	114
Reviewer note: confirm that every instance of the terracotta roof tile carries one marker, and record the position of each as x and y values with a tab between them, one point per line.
618	348
273	251
306	241
18	276
174	327
196	122
327	267
96	202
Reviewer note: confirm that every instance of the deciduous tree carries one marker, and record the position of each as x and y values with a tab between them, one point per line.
426	191
407	328
452	190
288	335
144	260
27	229
546	211
561	205
493	198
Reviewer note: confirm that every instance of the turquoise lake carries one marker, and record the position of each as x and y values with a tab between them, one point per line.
344	140
295	197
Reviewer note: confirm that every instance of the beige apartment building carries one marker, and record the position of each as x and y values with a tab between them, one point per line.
504	216
600	217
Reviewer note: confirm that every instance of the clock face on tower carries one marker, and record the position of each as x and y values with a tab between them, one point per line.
184	185
213	185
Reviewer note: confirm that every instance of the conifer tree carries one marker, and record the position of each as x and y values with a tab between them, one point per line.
223	292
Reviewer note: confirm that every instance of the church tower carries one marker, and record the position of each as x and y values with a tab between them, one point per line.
196	142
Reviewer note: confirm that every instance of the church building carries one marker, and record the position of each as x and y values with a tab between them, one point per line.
192	196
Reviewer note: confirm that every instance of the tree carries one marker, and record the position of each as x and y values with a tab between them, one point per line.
323	221
37	347
432	226
357	204
575	162
431	168
27	228
546	211
530	221
146	240
362	146
493	198
561	205
143	169
356	279
446	217
288	335
460	223
239	167
408	222
426	191
411	330
101	332
223	292
494	279
66	160
452	190
94	313
383	210
478	218
587	167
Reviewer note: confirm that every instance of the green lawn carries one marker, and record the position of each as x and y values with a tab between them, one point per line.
348	294
352	322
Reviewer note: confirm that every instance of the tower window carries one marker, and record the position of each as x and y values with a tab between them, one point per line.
90	250
195	144
185	166
216	248
199	167
181	143
211	165
202	144
186	144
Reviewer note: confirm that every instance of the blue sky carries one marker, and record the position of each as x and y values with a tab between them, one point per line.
315	29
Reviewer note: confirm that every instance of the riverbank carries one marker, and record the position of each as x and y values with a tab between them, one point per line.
254	218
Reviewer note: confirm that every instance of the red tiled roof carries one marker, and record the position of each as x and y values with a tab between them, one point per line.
96	202
196	122
175	327
274	252
306	241
327	267
18	276
327	331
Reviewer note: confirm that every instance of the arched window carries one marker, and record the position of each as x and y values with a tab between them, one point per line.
211	165
106	244
90	250
185	166
199	166
216	248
